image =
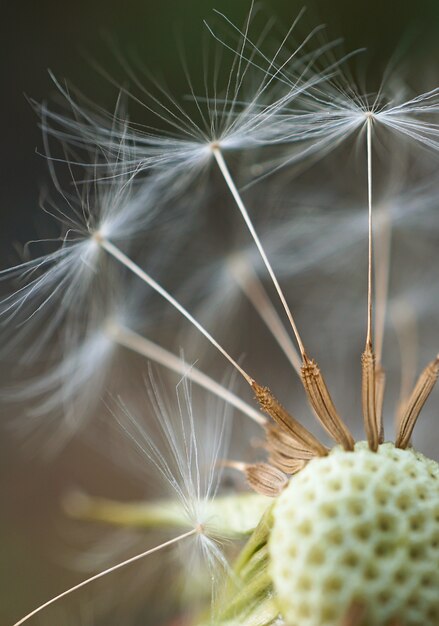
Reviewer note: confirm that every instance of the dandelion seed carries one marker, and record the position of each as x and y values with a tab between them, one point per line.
243	115
70	292
59	285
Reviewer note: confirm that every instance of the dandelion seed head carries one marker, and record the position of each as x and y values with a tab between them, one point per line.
359	526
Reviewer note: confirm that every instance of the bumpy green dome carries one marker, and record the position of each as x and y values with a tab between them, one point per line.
358	526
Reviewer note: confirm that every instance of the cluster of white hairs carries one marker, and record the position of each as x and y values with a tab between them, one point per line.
150	237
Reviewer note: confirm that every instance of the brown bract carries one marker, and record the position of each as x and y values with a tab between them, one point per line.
290	445
420	393
266	479
321	401
368	394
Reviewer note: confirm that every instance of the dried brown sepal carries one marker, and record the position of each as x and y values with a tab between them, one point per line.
419	396
321	402
270	405
283	442
354	615
380	386
368	396
265	479
285	463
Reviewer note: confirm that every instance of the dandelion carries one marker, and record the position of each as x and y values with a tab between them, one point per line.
338	531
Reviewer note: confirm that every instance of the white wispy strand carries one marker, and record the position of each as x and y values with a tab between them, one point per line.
411	118
59	401
59	281
334	115
64	388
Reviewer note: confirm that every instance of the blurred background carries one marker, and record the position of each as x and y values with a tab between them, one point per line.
68	38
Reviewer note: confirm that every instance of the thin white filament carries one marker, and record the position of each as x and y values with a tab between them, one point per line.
129	264
133	559
370	247
235	193
383	244
143	346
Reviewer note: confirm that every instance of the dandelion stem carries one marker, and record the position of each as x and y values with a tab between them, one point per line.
141	345
383	243
382	248
235	193
133	267
416	401
370	247
133	559
250	284
370	391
